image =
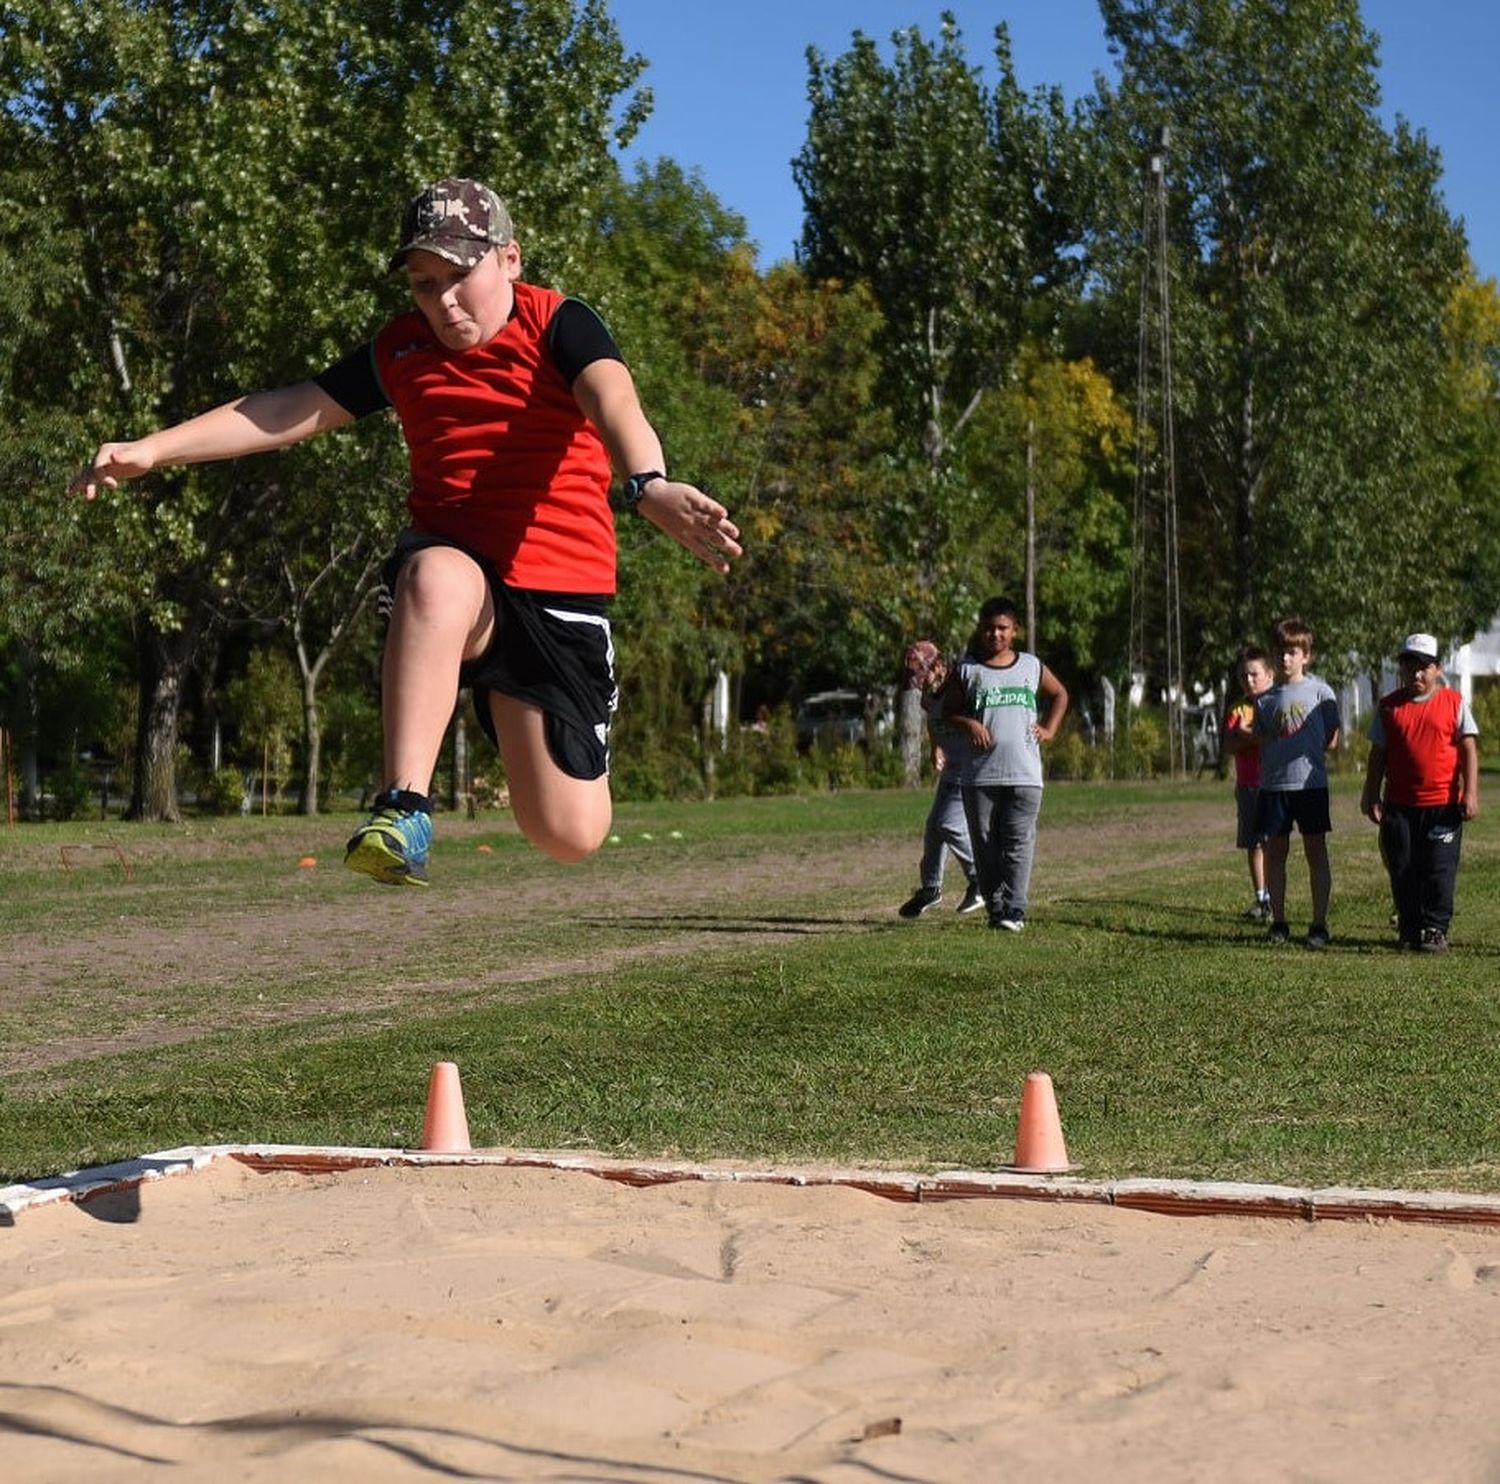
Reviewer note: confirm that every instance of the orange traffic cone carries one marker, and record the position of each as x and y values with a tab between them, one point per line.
445	1129
1039	1137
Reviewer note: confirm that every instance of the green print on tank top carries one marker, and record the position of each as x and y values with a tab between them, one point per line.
1005	695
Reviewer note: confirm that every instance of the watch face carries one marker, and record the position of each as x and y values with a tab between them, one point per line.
635	487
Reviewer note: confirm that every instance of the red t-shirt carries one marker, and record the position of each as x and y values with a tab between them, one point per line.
502	459
1241	718
1422	754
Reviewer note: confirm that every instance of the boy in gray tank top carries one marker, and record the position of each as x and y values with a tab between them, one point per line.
1007	702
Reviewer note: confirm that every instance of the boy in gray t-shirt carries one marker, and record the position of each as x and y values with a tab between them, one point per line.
1296	723
1007	703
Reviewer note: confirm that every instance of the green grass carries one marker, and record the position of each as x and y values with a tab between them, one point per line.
747	990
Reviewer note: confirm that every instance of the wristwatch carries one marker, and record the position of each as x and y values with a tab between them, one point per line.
635	487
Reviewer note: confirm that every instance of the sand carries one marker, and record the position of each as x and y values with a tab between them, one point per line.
492	1323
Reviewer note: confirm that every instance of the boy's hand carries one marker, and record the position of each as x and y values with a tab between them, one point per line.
1372	809
696	521
113	463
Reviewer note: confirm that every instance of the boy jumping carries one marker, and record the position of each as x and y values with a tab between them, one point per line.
513	401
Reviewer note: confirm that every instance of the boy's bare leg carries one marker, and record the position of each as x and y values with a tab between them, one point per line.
1257	859
442	616
564	816
1275	851
1320	874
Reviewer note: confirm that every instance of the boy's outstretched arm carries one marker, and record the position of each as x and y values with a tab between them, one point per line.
255	423
605	392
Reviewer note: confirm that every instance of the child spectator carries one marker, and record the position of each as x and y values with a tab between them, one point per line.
1296	723
1421	784
997	700
947	830
1253	671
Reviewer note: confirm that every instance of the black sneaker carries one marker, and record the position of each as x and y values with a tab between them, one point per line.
1434	940
972	902
924	899
1280	932
1010	922
1318	936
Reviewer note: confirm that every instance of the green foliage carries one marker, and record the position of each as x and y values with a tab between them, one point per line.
1312	262
72	791
944	199
1058	429
351	742
1487	714
221	792
1144	751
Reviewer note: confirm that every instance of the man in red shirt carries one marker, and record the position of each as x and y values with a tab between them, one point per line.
1421	784
514	402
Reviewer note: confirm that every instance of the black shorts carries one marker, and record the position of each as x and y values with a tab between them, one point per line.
555	651
1278	809
1246	808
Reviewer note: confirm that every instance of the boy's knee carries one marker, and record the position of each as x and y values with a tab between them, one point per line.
570	843
439	581
568	835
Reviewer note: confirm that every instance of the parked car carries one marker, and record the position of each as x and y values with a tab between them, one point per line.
840	714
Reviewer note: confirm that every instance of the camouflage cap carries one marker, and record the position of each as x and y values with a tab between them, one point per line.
459	220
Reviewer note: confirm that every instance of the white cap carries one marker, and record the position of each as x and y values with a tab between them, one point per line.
1422	645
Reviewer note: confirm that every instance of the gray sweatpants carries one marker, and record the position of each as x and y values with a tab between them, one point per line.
947	829
1002	829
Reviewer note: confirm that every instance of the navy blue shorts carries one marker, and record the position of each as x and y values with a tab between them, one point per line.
1246	807
555	651
1278	809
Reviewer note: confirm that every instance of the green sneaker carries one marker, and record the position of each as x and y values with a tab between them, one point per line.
391	846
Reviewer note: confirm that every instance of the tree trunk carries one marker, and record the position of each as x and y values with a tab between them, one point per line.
312	728
154	796
910	733
30	731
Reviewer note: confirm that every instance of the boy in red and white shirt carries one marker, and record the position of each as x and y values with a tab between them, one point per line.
1423	750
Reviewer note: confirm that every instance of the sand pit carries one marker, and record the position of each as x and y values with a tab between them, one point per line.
493	1323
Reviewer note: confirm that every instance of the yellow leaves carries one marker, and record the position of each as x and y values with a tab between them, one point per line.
1471	329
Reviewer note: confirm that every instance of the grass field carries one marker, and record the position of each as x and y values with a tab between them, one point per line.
730	979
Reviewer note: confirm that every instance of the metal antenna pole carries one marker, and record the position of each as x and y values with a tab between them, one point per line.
1155	514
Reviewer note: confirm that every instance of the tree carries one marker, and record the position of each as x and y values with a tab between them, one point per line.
1312	262
1052	451
946	199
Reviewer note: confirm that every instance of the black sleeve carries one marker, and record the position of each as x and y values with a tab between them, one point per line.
576	338
353	384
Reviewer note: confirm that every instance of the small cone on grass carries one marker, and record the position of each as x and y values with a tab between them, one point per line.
446	1128
1039	1137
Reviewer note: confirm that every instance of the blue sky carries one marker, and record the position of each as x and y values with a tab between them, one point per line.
730	82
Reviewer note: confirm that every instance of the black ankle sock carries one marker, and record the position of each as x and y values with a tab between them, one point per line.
404	798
